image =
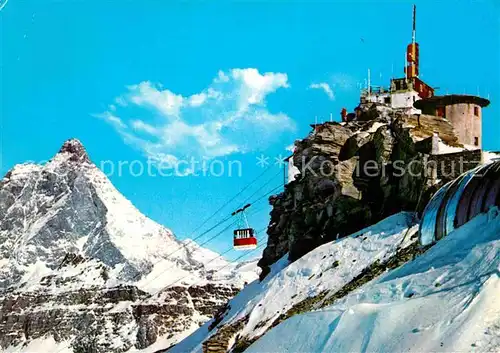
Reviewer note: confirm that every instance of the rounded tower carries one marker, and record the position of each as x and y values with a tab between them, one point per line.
463	111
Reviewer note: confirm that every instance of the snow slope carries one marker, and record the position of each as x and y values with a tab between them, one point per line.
326	268
446	300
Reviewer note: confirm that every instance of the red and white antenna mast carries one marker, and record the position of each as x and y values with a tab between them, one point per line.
412	52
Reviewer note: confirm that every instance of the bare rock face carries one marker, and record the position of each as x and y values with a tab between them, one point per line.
353	174
322	200
318	156
76	150
424	126
81	265
101	316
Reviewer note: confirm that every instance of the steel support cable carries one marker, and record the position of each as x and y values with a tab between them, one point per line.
214	226
268	193
257	211
215	258
228	202
261	197
207	231
259	189
207	241
183	245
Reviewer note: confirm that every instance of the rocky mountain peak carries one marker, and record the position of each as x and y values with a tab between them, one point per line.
76	149
67	235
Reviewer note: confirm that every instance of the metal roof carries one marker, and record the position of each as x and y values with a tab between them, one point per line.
462	199
450	99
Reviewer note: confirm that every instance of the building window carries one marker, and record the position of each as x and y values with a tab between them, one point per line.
476	141
476	111
387	100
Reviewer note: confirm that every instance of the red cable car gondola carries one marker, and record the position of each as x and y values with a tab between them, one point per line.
244	238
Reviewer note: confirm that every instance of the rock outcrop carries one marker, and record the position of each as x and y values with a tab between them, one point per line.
353	174
81	305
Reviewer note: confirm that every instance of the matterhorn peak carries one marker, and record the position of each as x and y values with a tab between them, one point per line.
69	239
75	148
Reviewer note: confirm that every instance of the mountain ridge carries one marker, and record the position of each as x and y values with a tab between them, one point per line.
68	236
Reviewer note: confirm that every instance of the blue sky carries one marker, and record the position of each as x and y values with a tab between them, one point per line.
227	81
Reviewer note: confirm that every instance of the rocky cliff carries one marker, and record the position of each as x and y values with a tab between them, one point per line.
81	266
354	174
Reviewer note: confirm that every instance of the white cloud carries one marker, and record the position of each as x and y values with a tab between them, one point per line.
197	99
343	81
120	101
229	116
111	119
254	86
221	77
140	125
325	87
147	95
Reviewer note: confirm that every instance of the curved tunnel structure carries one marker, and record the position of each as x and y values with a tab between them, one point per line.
462	199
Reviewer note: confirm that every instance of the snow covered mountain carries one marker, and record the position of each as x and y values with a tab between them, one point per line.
81	267
374	291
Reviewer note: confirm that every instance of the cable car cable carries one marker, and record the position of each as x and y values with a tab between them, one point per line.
220	255
207	231
219	223
170	267
262	187
232	199
267	193
228	202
